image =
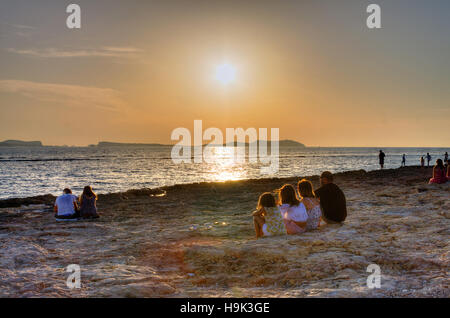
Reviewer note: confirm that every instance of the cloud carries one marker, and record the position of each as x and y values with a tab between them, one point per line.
108	51
22	26
17	29
72	95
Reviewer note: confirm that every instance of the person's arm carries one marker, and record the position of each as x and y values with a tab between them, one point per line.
258	212
434	172
300	224
301	216
75	203
306	203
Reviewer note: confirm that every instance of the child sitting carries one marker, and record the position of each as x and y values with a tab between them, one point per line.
267	218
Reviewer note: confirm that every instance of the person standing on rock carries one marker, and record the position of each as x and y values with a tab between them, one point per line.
404	160
422	162
428	159
381	158
332	200
446	157
66	206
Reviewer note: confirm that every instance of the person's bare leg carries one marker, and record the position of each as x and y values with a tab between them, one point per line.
258	222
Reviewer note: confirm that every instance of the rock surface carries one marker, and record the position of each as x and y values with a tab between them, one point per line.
197	241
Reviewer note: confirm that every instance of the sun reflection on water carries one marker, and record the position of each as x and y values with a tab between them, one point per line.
223	164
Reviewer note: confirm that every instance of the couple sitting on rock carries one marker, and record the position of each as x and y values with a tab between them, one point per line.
70	207
295	215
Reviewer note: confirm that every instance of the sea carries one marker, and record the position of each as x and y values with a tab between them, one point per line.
31	171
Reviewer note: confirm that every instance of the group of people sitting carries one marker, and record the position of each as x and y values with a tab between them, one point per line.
295	214
71	207
441	173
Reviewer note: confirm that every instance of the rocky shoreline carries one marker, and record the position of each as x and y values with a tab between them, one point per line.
197	240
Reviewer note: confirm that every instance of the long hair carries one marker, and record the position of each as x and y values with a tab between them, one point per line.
266	200
88	193
305	189
440	164
287	195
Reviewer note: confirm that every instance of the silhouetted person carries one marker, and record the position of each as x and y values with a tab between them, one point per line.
446	157
332	200
422	162
381	158
404	160
428	159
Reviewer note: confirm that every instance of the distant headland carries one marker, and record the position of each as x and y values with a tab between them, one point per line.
282	143
20	143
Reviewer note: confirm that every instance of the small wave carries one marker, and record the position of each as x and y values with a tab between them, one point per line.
50	159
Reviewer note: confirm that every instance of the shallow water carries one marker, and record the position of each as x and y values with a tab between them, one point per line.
33	171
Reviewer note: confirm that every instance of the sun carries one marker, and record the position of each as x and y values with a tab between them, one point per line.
225	73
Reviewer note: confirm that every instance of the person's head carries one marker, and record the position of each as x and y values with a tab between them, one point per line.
67	191
381	151
326	177
266	200
439	163
287	195
305	189
88	192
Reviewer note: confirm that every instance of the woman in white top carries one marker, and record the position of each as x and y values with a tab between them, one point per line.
293	211
312	204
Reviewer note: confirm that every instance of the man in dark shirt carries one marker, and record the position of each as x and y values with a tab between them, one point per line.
332	200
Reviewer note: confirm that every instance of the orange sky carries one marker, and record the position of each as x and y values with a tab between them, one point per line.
136	71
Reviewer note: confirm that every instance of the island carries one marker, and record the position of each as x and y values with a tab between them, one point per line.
282	143
20	143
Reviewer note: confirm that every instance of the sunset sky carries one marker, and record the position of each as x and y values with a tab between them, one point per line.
136	70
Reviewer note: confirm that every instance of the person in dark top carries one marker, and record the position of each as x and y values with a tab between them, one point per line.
381	157
332	200
88	209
